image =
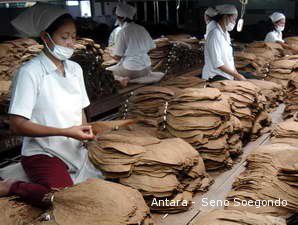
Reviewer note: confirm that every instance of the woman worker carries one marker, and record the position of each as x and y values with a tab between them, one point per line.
219	60
131	50
46	108
278	26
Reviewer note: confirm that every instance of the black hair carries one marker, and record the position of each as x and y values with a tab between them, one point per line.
217	18
271	25
125	19
128	20
60	21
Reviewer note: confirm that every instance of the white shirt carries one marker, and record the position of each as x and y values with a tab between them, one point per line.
113	36
42	95
133	44
210	26
218	52
274	36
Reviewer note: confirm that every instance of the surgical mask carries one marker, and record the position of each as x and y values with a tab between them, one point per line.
280	28
230	26
60	52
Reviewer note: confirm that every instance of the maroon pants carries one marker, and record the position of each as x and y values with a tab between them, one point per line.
45	173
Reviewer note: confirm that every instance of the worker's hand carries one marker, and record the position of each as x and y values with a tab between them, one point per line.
240	77
79	132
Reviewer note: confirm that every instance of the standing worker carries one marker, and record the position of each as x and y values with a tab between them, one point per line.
47	104
219	59
133	43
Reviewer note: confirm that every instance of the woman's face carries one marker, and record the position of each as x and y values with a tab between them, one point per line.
65	35
231	18
281	23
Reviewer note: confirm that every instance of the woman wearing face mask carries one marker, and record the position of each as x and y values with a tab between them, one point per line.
219	60
46	108
278	22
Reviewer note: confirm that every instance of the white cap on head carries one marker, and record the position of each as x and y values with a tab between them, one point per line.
37	19
211	11
226	9
277	16
125	10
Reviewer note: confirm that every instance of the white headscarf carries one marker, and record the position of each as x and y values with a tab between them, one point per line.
211	11
226	9
125	10
277	16
37	19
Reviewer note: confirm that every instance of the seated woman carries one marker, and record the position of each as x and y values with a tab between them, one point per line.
275	35
46	108
278	26
131	49
219	59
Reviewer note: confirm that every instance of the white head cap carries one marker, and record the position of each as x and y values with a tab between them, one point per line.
277	16
211	11
226	9
125	10
37	19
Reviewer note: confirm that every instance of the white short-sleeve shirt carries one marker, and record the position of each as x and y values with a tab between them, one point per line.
210	26
133	43
218	52
113	36
274	36
46	97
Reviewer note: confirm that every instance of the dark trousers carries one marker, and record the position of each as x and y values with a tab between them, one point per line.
46	173
247	75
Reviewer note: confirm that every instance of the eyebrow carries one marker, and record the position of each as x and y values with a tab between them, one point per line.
69	33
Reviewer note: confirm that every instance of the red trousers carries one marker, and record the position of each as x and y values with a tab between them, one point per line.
45	173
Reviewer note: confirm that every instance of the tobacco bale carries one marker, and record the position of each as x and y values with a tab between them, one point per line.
99	202
15	212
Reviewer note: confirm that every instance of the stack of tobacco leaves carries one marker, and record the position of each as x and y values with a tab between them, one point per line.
270	180
247	104
283	69
159	169
202	117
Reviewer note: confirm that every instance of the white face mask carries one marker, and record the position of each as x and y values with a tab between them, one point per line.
280	28
230	26
60	52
